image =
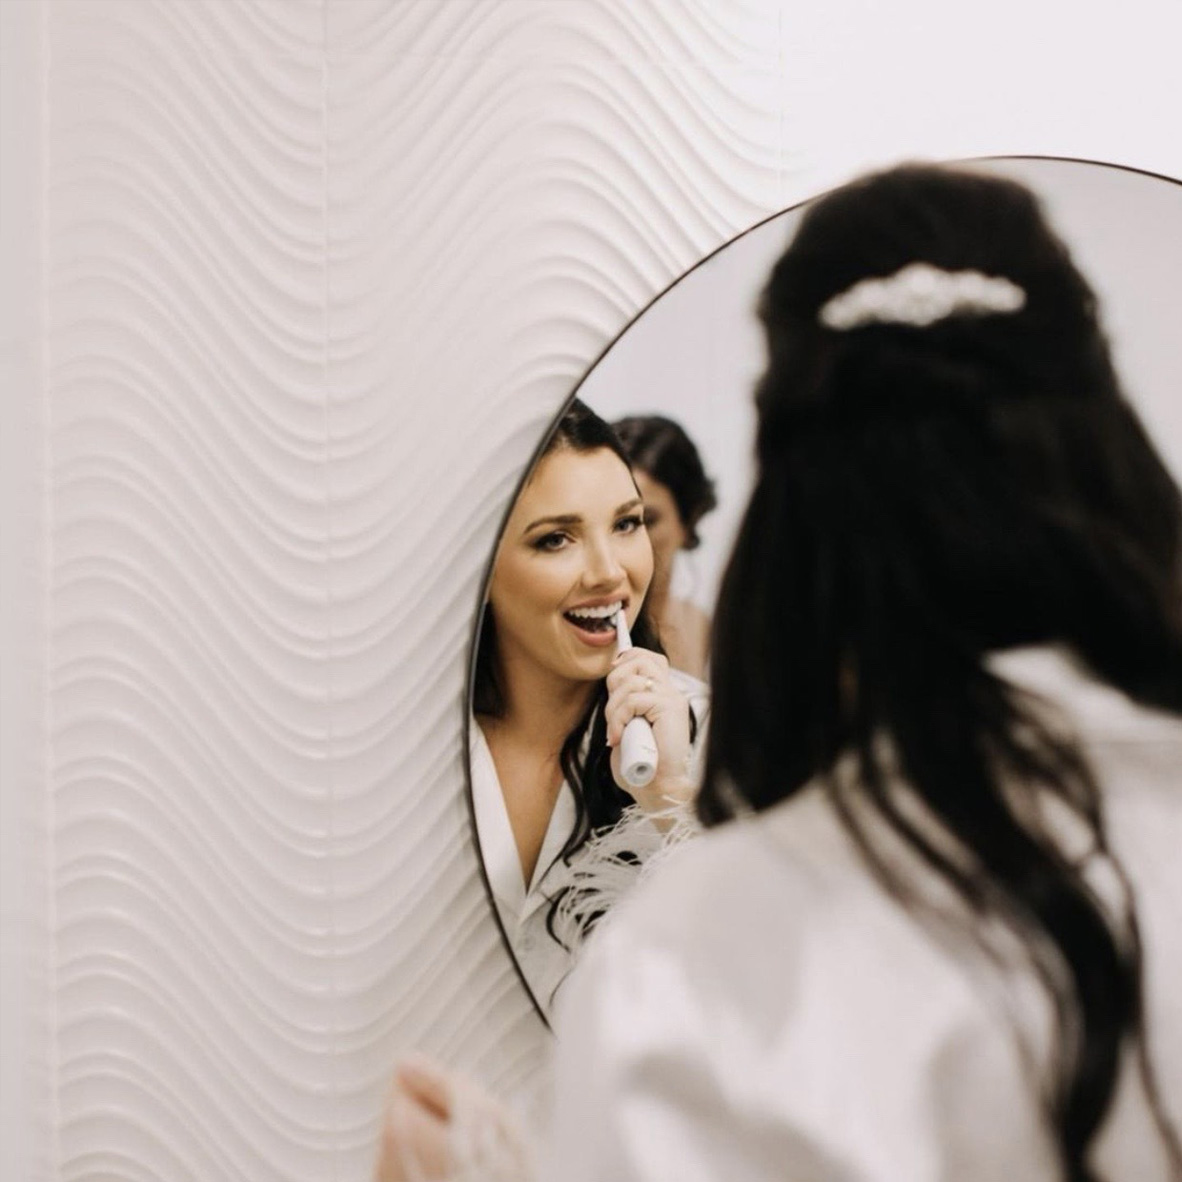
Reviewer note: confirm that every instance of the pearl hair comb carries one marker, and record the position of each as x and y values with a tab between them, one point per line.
920	294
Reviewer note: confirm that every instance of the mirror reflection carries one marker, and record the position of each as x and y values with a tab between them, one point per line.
561	838
584	738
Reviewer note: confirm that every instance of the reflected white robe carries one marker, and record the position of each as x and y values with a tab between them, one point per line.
760	1009
525	908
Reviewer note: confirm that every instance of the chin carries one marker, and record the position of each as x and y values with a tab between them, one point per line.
594	667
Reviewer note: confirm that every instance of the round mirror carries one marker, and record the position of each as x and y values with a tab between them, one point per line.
587	541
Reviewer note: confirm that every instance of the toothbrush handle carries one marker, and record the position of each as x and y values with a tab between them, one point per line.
638	753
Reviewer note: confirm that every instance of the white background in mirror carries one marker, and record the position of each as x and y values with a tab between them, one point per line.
694	357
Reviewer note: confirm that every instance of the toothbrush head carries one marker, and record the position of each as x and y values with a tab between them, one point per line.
623	639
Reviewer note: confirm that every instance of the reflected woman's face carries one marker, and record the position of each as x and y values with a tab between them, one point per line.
665	530
575	544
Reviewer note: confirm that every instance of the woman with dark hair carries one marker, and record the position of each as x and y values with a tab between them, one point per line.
677	495
935	934
552	694
942	940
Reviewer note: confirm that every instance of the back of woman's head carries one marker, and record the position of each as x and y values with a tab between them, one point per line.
660	447
937	483
963	486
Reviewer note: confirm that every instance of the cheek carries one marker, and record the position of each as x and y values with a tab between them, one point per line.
521	587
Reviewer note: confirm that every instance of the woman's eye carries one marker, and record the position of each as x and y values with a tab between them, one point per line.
553	541
630	524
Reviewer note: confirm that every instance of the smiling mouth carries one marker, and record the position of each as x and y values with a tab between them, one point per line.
596	620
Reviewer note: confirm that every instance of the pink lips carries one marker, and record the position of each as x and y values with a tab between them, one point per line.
603	635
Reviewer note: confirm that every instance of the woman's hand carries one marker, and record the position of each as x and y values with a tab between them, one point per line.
415	1128
639	685
441	1125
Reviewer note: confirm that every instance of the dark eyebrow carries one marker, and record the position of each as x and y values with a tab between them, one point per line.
564	519
575	519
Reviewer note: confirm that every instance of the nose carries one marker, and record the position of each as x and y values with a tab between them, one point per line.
604	568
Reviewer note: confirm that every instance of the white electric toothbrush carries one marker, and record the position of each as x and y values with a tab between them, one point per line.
638	748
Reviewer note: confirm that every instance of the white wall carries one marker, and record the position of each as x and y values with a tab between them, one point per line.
291	288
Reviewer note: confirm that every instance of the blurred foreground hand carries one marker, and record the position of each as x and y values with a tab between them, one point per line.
440	1126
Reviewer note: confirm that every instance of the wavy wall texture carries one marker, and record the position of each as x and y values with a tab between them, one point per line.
317	273
317	276
191	769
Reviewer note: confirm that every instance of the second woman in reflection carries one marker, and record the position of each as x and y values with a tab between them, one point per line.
677	495
552	694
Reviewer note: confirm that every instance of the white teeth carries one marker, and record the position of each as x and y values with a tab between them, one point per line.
596	613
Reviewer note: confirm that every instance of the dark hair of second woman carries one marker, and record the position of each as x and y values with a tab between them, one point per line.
585	756
660	447
926	497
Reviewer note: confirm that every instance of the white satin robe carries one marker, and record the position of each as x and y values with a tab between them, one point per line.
760	1009
525	907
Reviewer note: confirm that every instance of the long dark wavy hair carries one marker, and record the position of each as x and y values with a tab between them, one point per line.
585	756
926	497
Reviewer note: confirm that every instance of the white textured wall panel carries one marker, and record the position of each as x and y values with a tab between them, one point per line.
194	963
314	275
